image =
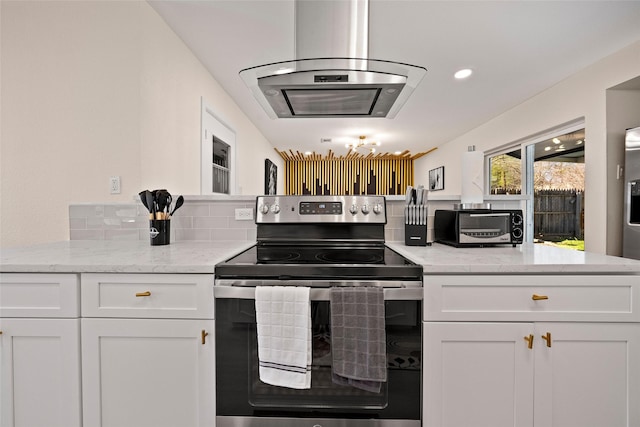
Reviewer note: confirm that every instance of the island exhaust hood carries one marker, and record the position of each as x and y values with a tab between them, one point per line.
332	75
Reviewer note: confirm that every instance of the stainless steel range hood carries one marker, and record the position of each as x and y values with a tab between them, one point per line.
332	75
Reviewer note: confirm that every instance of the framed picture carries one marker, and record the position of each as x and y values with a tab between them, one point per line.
270	178
436	179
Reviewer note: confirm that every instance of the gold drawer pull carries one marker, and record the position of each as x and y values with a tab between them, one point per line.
537	297
547	338
143	294
529	341
204	336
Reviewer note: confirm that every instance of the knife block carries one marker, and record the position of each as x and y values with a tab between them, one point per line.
415	235
415	225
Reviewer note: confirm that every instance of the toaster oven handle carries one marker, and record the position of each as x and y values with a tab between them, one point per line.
489	214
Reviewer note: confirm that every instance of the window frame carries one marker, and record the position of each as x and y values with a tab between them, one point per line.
212	125
527	149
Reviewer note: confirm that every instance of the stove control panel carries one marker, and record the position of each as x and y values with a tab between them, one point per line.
321	209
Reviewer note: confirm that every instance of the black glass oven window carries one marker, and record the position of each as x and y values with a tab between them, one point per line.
241	393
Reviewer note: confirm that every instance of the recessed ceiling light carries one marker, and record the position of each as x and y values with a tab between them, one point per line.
556	141
307	153
578	142
547	148
463	74
397	153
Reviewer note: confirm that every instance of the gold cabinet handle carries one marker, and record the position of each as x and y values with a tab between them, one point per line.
537	297
143	294
529	341
0	332
204	336
547	338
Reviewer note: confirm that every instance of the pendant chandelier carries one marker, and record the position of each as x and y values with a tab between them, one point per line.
361	143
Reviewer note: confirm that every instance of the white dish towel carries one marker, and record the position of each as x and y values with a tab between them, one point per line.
283	318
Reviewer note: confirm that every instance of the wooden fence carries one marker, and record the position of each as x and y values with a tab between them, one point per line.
558	214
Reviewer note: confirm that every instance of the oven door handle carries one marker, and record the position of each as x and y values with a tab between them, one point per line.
230	289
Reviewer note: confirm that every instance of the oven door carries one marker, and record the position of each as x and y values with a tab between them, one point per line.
242	399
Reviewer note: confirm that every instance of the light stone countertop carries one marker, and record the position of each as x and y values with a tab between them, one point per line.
109	256
523	259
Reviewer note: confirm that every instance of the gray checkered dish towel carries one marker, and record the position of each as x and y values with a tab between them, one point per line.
358	339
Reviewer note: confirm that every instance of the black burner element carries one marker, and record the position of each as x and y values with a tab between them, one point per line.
343	256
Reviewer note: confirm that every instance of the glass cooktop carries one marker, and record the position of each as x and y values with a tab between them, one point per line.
313	261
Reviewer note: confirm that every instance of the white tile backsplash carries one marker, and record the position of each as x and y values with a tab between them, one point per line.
214	220
195	220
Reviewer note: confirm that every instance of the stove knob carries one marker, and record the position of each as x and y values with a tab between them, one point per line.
377	209
264	209
365	209
275	209
353	209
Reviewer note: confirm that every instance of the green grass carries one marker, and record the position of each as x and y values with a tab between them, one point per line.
575	244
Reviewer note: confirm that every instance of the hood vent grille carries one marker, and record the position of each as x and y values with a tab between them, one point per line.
332	77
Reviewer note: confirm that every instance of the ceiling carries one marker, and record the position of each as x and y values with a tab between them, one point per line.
562	148
516	49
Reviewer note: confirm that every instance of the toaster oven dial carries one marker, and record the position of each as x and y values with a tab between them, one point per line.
517	219
365	209
517	233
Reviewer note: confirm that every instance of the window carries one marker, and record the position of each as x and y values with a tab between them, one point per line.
220	166
217	173
506	172
549	169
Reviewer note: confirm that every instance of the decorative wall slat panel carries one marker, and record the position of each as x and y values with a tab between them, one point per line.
383	174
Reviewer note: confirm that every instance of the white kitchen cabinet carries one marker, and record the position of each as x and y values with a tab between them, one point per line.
481	371
39	351
477	374
148	350
147	373
589	377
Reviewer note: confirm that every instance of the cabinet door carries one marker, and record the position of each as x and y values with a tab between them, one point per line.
148	373
477	374
40	373
589	376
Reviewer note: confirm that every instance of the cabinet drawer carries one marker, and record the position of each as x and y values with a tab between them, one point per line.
39	295
531	298
162	296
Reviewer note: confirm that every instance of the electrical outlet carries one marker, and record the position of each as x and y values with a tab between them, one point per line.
114	185
244	214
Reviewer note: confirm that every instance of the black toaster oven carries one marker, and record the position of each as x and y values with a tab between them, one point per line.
478	228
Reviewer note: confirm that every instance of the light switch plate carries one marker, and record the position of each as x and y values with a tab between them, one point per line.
114	185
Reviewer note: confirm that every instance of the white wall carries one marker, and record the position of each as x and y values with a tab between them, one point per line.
95	89
581	95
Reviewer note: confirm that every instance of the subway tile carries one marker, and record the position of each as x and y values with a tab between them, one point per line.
229	234
211	222
194	209
182	221
193	234
86	211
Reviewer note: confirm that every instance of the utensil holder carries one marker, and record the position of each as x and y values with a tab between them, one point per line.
159	231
